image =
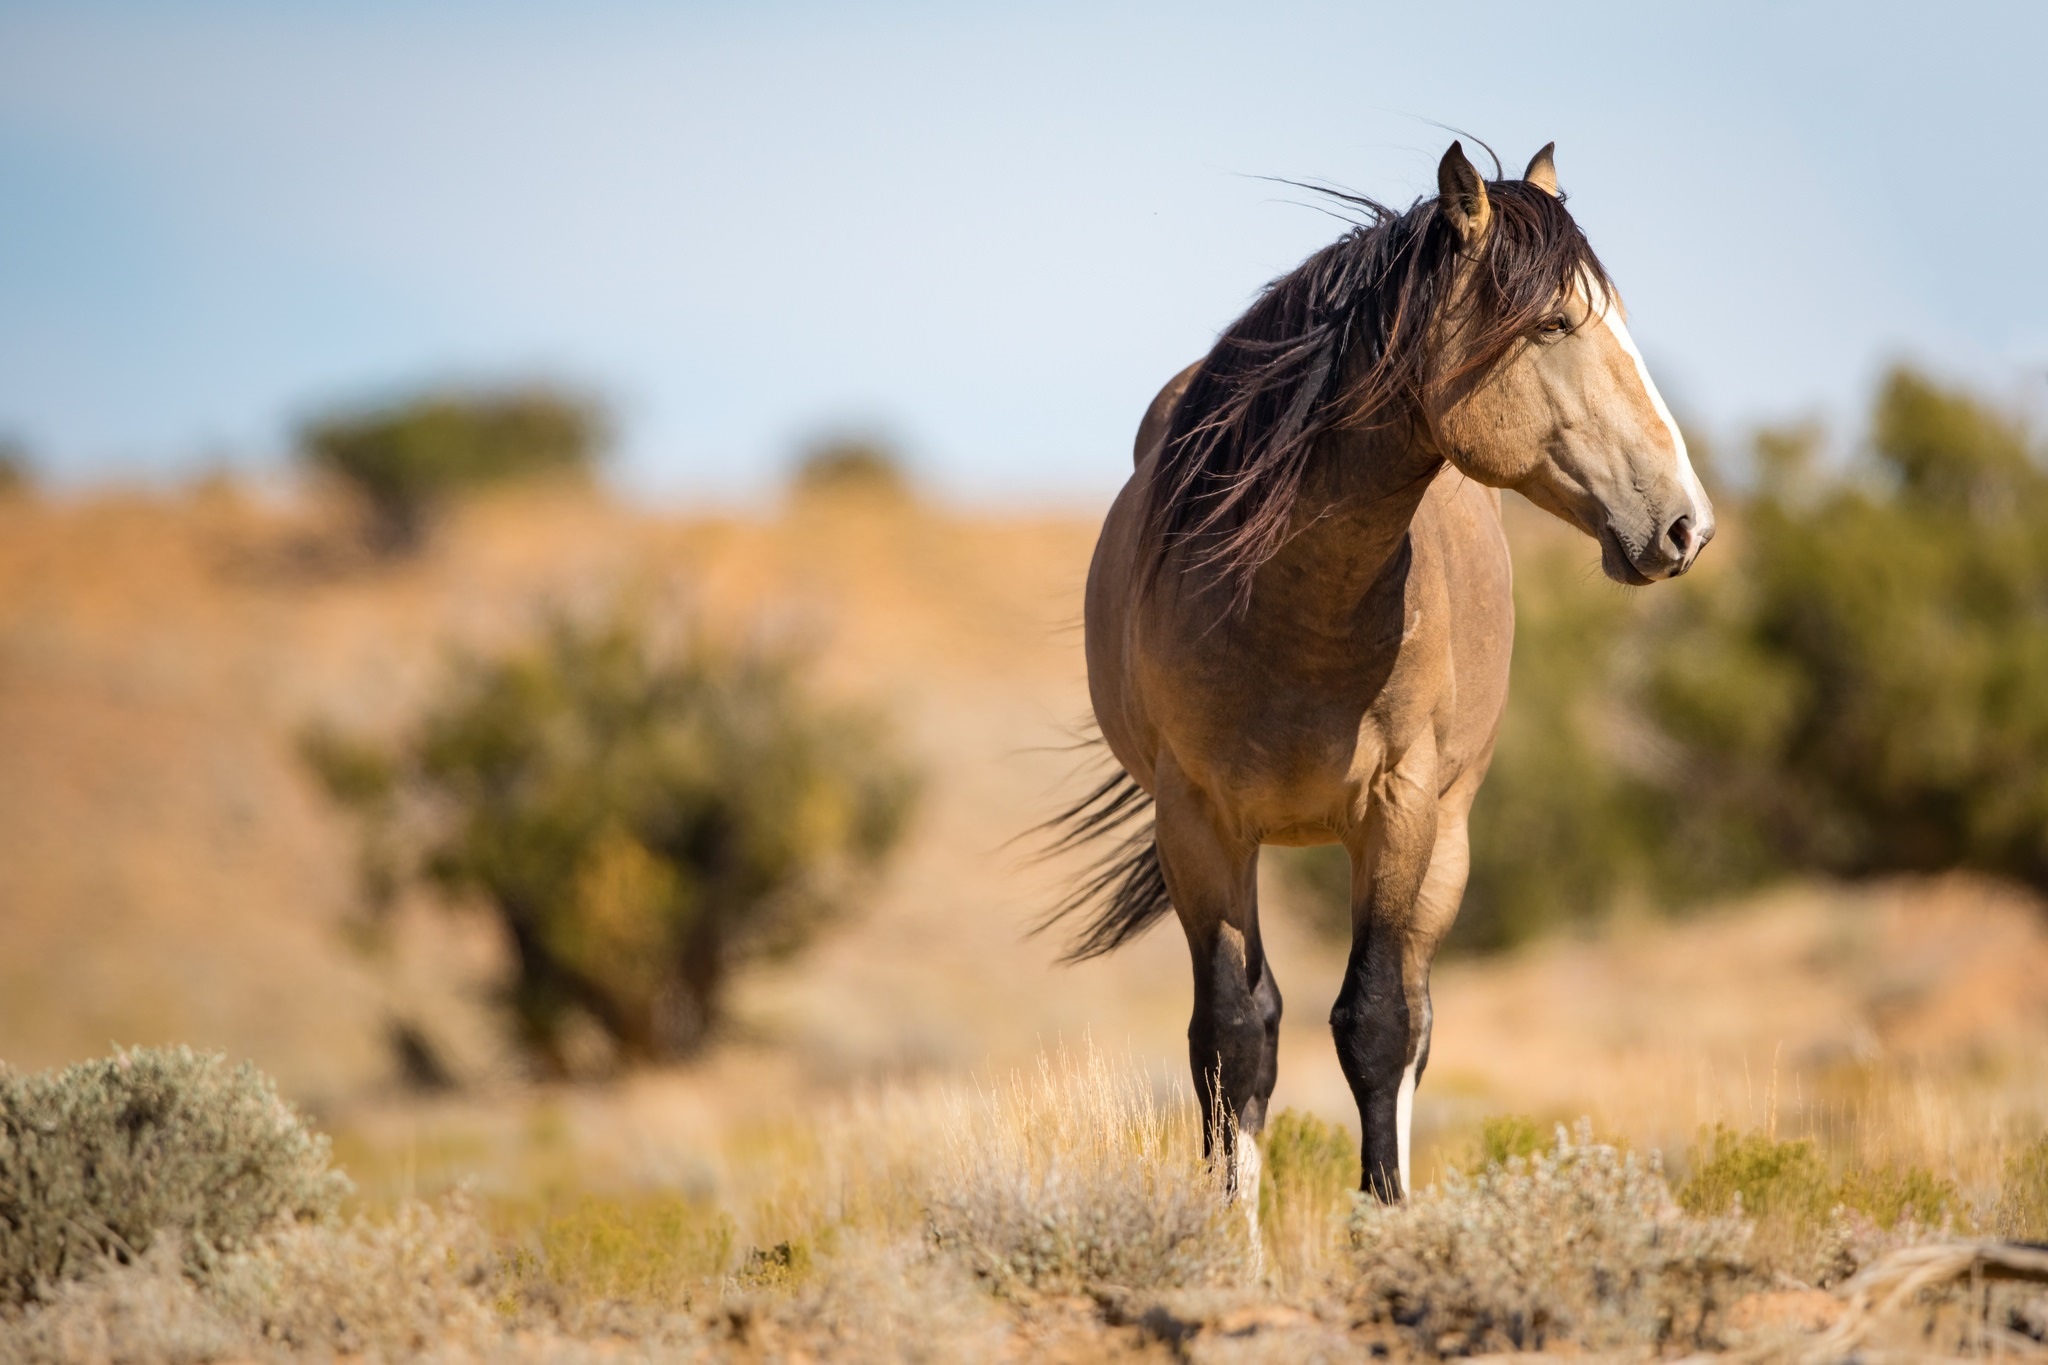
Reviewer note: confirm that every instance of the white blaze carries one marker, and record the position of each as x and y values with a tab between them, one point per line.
1608	311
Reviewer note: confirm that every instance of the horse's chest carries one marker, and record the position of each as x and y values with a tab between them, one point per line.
1303	719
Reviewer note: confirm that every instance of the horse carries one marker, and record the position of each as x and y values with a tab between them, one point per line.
1299	612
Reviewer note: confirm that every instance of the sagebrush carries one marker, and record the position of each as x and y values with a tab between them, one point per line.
1063	1213
107	1158
1582	1244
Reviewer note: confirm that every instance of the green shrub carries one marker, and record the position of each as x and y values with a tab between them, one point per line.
652	1249
1892	1195
1764	1177
1504	1137
1564	825
407	459
1311	1176
1854	682
851	466
1878	702
1309	1162
106	1158
1790	1184
17	471
641	819
1581	1244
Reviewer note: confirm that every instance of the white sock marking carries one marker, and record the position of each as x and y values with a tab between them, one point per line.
1250	1167
1404	1119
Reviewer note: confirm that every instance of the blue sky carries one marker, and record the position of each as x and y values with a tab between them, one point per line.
992	232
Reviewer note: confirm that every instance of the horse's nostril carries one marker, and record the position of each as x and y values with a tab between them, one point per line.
1680	536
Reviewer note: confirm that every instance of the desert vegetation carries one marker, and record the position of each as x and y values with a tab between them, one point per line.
17	470
1061	1210
1816	1108
404	461
641	815
850	466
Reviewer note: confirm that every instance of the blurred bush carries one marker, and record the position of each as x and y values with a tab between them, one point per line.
1855	682
102	1160
641	820
856	466
406	460
17	470
1868	692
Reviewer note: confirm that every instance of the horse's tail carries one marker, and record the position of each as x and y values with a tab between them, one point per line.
1123	892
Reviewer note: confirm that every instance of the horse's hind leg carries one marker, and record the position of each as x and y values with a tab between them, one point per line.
1234	1034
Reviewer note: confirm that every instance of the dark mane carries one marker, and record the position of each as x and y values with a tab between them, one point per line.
1244	433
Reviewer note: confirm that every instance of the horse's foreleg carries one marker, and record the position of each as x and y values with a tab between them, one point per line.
1234	1034
1408	869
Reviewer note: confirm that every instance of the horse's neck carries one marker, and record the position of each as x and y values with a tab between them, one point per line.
1351	519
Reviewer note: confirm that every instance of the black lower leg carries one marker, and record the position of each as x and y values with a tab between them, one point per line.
1233	1039
1371	1027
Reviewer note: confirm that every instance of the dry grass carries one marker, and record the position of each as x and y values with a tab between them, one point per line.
1078	1175
417	1282
2022	1210
1066	1212
829	1184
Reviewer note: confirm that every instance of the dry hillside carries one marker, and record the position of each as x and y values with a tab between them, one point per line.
168	873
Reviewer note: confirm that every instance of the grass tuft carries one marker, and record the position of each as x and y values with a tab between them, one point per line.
1504	1137
1758	1175
652	1250
1311	1176
1078	1176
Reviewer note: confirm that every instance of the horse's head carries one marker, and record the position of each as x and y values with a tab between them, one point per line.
1567	413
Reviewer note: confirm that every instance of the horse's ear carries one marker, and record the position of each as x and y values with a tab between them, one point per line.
1542	172
1462	195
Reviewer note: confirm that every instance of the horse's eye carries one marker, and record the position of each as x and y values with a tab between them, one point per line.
1556	326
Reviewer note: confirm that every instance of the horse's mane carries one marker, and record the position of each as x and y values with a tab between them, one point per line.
1244	432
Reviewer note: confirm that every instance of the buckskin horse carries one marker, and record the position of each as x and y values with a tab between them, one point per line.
1299	612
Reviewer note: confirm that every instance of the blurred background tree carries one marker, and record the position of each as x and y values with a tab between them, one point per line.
406	460
1869	693
1855	682
851	466
640	820
17	470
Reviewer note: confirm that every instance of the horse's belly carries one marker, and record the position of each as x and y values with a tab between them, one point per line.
1291	772
1301	836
